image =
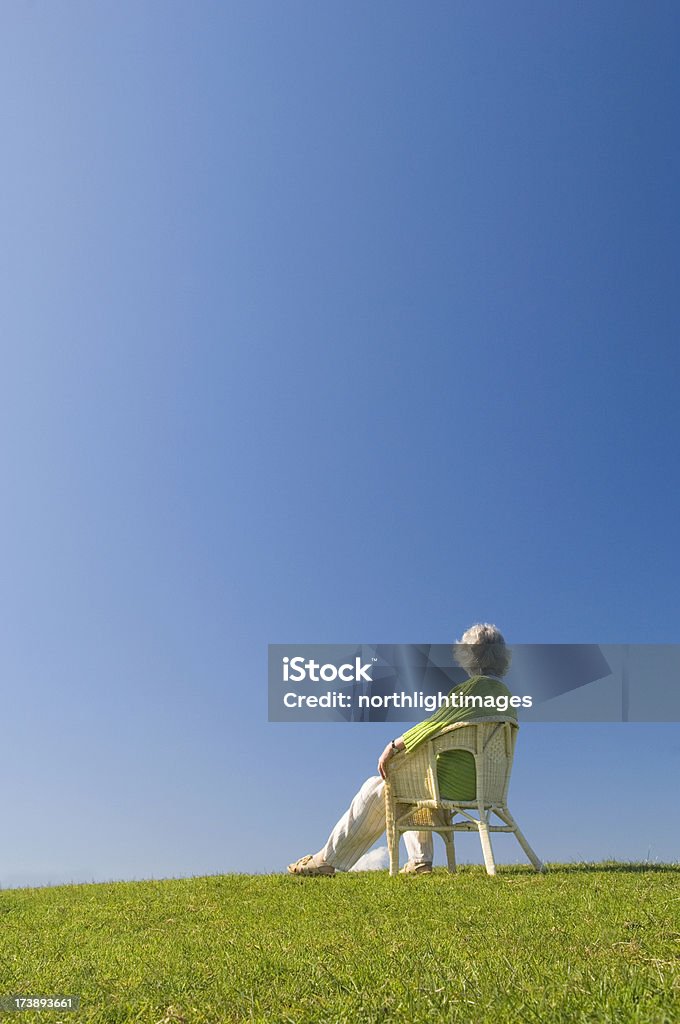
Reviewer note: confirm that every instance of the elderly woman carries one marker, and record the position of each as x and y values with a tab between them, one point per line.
483	653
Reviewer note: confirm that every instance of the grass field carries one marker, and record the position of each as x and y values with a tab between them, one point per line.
584	943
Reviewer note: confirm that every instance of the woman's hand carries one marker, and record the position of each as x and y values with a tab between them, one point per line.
384	758
387	754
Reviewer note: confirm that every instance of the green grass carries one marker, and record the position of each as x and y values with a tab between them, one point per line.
584	943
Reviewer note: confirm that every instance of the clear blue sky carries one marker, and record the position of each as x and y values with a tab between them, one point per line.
327	323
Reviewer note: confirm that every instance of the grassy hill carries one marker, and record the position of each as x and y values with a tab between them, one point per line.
584	943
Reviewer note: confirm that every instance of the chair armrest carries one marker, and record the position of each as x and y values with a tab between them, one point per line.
397	763
411	775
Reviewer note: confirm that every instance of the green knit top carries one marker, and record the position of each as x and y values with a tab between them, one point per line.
456	768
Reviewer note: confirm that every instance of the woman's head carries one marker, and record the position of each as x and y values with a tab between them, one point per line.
482	651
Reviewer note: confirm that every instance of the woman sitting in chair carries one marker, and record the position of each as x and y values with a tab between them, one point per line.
483	653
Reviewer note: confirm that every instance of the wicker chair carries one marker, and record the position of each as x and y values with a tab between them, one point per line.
412	800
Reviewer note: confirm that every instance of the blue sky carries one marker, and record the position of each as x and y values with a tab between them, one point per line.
324	323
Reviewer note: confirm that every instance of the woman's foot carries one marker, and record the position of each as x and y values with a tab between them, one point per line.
424	868
309	865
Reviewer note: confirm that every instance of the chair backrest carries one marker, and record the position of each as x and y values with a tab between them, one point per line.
492	744
491	741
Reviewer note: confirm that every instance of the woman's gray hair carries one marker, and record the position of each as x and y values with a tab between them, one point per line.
482	651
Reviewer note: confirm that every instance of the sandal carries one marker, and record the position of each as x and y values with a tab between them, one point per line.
416	869
306	866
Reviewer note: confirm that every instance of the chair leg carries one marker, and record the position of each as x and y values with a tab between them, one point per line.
522	840
486	843
391	833
450	845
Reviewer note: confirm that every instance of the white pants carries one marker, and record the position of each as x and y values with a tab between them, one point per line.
362	824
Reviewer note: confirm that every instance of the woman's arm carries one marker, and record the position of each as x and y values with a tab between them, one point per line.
392	747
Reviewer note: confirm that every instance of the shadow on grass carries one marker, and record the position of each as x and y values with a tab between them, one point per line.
623	867
575	868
